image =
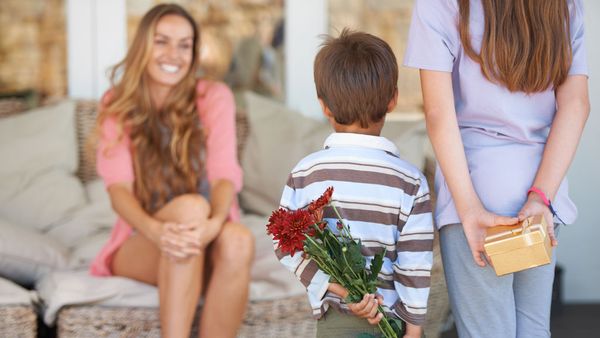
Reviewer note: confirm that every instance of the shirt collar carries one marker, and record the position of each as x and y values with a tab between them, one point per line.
361	140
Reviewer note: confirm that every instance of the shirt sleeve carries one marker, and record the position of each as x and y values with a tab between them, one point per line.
412	268
314	280
579	63
216	107
113	155
433	41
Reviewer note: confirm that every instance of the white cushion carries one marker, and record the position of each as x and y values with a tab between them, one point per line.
26	255
408	132
278	139
13	294
58	289
270	279
94	217
37	185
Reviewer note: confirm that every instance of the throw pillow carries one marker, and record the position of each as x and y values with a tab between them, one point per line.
39	151
278	139
26	255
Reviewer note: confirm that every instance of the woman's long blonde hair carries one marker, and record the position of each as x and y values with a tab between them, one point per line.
526	44
166	143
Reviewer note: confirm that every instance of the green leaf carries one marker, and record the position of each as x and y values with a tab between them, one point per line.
355	259
397	325
376	264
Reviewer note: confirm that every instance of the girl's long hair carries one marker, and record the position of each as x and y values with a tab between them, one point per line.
166	143
526	43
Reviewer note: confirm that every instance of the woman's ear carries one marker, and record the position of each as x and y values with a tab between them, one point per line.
393	102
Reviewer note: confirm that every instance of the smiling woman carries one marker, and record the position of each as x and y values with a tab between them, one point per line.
166	150
171	51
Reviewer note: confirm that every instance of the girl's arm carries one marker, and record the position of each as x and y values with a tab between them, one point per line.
573	108
442	128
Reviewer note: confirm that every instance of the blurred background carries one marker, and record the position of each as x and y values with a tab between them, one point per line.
52	49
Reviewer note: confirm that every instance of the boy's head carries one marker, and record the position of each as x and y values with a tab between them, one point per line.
356	77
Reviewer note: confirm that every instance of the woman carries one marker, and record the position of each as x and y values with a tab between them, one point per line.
506	99
166	151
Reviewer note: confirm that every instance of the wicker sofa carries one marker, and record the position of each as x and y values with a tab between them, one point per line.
271	139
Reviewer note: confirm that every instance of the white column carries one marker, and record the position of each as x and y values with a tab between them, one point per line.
96	40
305	21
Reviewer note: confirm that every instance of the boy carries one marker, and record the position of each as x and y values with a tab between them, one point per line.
384	199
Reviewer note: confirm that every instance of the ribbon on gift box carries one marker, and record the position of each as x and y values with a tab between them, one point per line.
527	225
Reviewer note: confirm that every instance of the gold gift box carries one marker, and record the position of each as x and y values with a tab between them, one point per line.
518	247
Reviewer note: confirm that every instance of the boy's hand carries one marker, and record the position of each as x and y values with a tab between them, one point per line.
367	308
413	331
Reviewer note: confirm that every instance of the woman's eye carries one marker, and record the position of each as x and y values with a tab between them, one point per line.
185	46
160	42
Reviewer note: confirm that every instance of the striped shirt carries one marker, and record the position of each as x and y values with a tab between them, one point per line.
385	201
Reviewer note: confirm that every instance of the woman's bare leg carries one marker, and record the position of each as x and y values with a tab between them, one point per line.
230	258
178	282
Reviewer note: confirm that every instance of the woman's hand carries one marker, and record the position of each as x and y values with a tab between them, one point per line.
475	223
535	206
175	243
199	235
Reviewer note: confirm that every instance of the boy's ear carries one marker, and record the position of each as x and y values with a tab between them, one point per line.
393	102
325	109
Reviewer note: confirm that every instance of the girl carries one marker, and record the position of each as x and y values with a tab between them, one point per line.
506	99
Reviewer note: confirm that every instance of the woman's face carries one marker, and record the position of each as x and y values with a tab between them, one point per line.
172	51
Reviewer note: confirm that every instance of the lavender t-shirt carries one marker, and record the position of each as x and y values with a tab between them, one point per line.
503	133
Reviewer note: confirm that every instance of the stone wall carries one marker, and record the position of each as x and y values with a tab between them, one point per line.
223	24
33	33
389	20
33	46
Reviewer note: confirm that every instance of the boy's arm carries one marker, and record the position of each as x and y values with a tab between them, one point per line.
314	280
412	268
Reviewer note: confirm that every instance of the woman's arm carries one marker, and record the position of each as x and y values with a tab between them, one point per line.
166	235
442	128
222	194
126	205
573	108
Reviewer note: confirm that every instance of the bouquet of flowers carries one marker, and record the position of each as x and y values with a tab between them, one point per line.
338	255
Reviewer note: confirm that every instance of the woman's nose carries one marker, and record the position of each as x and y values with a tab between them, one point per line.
172	51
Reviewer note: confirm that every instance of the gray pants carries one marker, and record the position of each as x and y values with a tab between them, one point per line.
487	306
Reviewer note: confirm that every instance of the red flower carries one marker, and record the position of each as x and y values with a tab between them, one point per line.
290	228
316	207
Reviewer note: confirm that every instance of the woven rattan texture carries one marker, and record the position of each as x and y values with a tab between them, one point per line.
18	321
288	317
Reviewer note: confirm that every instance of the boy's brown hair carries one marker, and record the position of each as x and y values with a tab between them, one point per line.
356	76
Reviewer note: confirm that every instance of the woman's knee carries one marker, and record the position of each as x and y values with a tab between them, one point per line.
235	245
185	208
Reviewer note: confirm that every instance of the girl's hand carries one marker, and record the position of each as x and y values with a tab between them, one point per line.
475	222
367	308
535	206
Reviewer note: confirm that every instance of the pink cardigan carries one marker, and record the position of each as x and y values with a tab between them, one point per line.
216	108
